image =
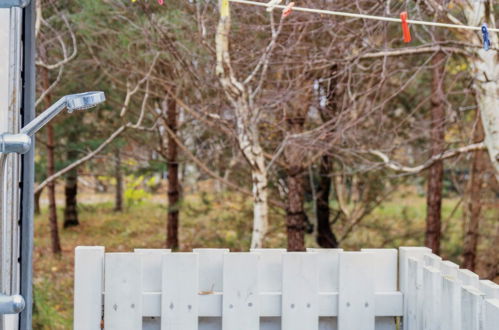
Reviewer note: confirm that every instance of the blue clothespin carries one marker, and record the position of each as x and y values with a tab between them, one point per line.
486	39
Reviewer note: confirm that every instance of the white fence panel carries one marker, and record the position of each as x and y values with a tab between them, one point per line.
412	277
451	304
123	291
328	260
270	284
468	278
88	287
385	280
471	307
432	288
212	289
211	263
491	314
179	301
300	287
356	296
241	301
490	289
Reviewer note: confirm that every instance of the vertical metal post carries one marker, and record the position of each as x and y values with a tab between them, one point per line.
10	121
28	167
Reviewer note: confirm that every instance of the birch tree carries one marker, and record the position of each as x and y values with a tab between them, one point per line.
247	114
484	66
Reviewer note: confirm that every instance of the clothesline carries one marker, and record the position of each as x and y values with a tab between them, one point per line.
372	17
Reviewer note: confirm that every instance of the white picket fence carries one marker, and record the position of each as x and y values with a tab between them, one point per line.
208	289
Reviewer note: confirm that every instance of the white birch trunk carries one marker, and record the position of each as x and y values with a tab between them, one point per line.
246	127
485	66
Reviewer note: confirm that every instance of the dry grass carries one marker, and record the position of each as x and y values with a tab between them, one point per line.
206	221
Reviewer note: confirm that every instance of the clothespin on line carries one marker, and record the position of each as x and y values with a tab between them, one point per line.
224	8
405	27
486	37
271	5
287	11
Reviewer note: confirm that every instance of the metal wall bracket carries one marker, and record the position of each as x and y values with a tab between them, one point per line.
14	3
14	143
11	304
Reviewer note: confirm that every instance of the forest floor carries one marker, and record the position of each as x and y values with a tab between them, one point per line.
206	221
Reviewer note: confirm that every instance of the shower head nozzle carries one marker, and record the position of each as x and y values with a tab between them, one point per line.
72	102
84	101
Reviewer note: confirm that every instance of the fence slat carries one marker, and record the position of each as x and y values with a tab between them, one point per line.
471	303
123	287
490	289
449	269
385	280
410	320
179	301
405	253
151	268
451	304
468	278
356	304
270	281
89	277
432	260
211	269
491	314
210	284
240	292
432	295
300	287
328	261
270	269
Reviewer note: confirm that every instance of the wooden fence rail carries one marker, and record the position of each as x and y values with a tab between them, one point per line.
208	289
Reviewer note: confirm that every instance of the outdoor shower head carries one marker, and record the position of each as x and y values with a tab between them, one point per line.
73	102
21	143
84	101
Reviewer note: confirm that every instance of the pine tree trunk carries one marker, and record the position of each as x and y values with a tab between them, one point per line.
474	203
436	171
295	214
325	236
118	175
54	231
38	194
71	191
172	240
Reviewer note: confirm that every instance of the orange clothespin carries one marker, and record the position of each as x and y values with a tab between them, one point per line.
405	27
288	10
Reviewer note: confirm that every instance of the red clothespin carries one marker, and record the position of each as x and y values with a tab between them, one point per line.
405	27
288	10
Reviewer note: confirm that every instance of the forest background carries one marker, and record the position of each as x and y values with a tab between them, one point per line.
242	128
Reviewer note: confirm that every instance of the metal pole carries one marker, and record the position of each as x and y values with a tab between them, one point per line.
28	167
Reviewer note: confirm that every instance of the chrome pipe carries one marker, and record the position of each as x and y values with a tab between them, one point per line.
8	304
21	143
14	3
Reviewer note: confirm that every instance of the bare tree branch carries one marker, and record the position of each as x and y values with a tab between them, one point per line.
416	169
81	160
